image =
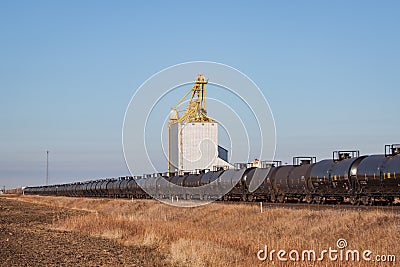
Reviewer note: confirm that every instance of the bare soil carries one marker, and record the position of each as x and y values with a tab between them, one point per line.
27	239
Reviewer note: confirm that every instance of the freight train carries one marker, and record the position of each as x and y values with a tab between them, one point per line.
345	178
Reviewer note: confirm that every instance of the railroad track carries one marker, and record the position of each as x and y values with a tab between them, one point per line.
305	206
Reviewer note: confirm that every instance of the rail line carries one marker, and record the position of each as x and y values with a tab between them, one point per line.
316	207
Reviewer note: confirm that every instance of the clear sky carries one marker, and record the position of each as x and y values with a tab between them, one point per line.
329	69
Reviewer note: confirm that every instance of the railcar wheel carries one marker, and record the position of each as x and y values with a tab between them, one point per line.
317	200
366	201
372	202
281	198
250	198
355	201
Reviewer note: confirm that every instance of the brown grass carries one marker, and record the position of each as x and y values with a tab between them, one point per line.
229	235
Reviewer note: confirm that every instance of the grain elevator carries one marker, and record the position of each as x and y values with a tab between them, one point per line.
193	136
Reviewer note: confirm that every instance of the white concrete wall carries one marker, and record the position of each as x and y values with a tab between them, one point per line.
200	145
194	146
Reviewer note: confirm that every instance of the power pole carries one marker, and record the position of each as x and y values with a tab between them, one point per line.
47	167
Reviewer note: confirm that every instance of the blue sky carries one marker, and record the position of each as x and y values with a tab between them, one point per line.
329	69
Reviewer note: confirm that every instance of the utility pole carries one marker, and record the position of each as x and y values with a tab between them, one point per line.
47	167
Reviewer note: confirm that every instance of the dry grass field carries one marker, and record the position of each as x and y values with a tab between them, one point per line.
231	235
